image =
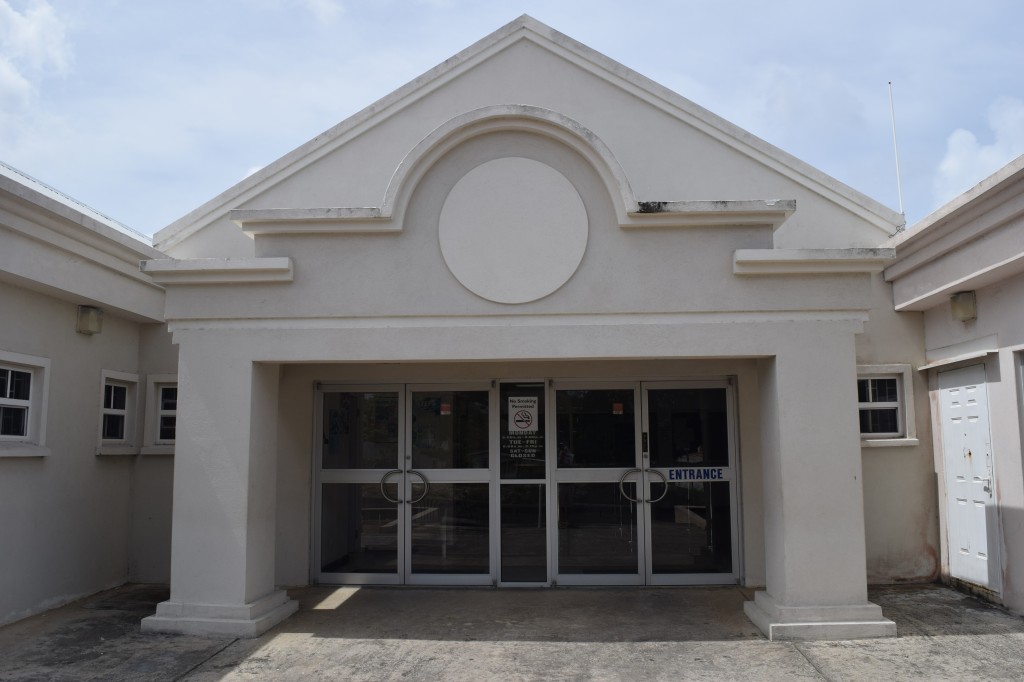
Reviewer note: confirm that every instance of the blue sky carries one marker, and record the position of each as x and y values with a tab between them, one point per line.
145	109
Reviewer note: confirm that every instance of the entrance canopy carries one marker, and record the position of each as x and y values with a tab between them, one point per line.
511	350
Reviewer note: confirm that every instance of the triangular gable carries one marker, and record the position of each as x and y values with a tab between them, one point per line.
527	28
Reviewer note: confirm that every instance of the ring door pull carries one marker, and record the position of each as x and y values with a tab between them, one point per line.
426	486
622	482
384	480
664	482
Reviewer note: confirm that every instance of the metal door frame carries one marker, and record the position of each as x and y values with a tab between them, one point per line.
364	476
596	475
450	476
733	477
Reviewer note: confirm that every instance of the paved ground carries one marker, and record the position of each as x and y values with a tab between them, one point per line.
479	634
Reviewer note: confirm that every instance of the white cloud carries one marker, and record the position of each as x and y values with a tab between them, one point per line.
325	11
967	161
35	39
15	90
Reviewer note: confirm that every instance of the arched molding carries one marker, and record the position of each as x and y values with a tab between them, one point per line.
542	123
505	118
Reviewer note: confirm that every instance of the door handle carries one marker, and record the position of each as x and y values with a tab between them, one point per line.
622	481
664	482
426	486
383	491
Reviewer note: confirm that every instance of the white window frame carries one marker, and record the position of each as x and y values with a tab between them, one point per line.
905	405
33	443
126	445
153	444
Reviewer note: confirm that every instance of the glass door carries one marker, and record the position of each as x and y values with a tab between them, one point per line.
361	486
449	482
690	483
595	483
404	491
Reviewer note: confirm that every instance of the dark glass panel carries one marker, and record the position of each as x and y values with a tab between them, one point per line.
596	428
359	529
688	427
883	391
113	427
169	398
13	421
360	430
450	430
524	553
167	427
863	390
880	420
597	529
450	529
20	385
691	531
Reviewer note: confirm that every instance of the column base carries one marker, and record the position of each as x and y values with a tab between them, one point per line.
221	620
781	623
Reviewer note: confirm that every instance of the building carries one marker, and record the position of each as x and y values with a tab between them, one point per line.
962	268
85	493
532	319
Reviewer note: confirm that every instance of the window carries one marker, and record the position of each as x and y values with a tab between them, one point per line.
879	402
15	392
885	405
161	414
115	410
24	381
167	413
117	414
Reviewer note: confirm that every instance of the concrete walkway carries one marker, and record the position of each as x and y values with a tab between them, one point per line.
479	634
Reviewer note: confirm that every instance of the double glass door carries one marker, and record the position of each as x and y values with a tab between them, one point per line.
528	483
644	484
405	486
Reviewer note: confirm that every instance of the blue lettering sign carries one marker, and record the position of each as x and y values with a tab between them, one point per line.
697	474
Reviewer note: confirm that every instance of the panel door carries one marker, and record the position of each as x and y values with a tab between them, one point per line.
967	458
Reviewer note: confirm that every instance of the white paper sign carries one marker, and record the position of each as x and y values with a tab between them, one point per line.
522	414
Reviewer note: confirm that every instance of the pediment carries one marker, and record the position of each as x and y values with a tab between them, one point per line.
653	148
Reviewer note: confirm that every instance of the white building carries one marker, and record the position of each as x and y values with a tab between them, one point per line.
963	268
84	482
532	319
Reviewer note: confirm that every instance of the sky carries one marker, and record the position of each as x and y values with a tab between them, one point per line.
146	109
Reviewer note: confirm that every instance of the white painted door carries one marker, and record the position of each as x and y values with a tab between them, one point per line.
967	456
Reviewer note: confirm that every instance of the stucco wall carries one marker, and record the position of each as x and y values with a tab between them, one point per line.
67	515
152	483
900	498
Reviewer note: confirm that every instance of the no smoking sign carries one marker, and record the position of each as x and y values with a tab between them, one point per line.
522	414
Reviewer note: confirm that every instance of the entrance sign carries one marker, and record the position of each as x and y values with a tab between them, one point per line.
697	474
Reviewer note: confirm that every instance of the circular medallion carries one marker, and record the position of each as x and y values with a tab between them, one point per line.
513	230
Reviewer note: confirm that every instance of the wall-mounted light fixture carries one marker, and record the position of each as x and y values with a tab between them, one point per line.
90	320
964	306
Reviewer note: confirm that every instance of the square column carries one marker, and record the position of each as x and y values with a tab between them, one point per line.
815	559
222	544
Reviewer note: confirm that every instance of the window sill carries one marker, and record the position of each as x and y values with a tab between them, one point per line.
19	449
157	450
117	450
889	442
